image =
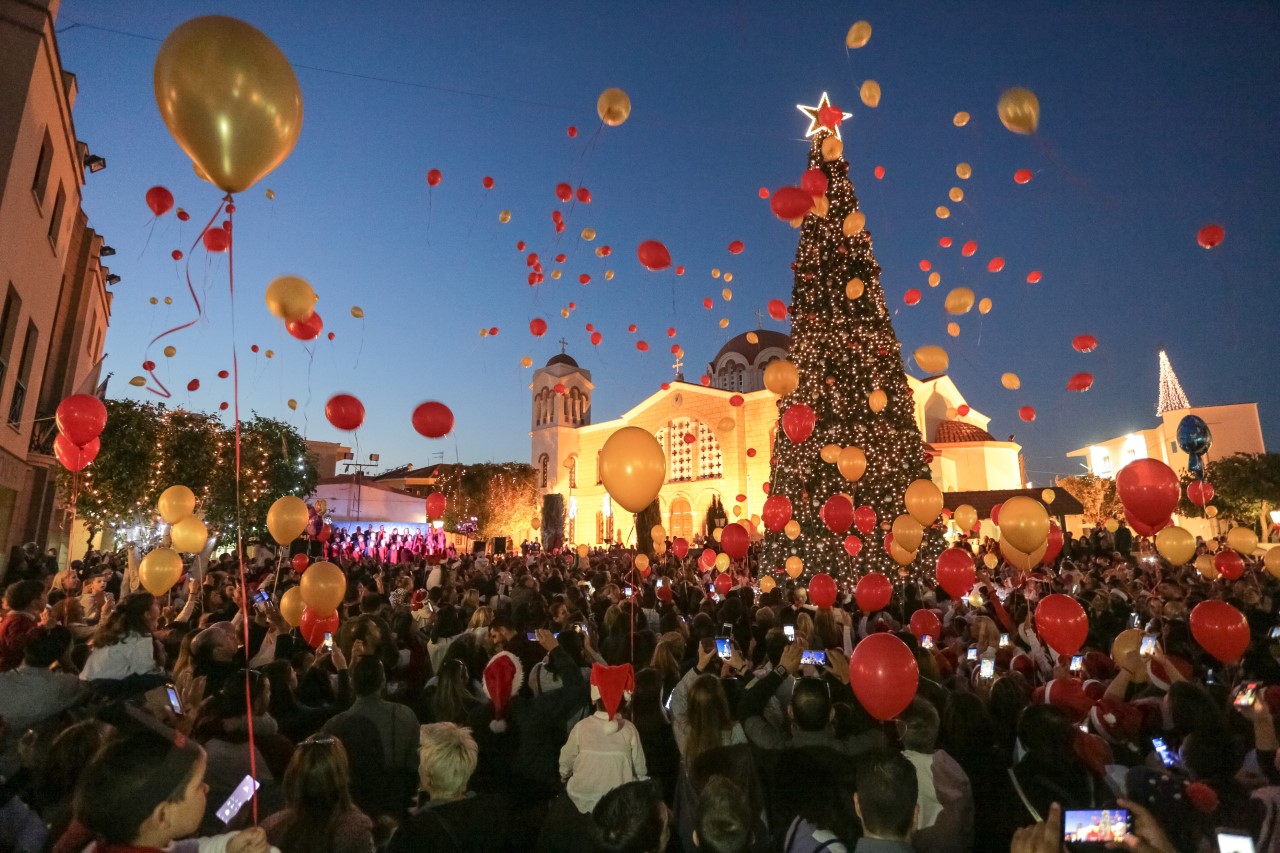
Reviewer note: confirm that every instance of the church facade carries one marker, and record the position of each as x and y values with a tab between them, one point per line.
718	438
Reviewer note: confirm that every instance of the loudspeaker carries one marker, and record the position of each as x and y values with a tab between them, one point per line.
499	544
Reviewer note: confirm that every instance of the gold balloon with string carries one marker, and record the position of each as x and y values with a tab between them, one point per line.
990	560
932	359
286	519
959	301
900	555
230	99
1206	568
781	377
291	606
176	503
907	533
923	500
160	570
859	34
138	381
1176	545
292	299
965	517
1271	561
960	119
189	535
293	405
984	306
632	467
1019	559
642	564
1242	540
722	562
964	171
613	106
1019	110
852	463
953	329
870	93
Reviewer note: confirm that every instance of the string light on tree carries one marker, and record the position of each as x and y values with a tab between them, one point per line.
1172	398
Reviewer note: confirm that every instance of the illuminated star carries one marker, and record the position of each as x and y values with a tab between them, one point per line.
823	110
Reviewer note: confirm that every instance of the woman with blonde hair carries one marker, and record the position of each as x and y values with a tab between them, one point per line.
666	660
319	816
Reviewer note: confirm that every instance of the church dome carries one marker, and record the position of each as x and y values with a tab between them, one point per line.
765	340
562	358
740	364
948	432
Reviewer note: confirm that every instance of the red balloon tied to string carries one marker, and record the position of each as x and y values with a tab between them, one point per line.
1084	343
253	347
788	203
945	242
679	270
873	592
332	336
822	590
564	192
911	297
216	240
596	338
1022	176
723	584
814	182
432	419
74	458
643	346
1080	382
584	195
344	411
852	545
1220	629
224	406
837	513
879	173
81	418
193	385
584	279
925	622
969	248
182	215
884	675
1062	623
1053	546
777	309
435	505
1033	277
1210	236
487	182
306	330
798	422
160	200
1149	491
313	628
956	572
864	517
300	563
736	247
680	547
653	255
995	265
434	177
606	251
1027	413
519	245
176	254
776	513
734	541
1229	564
1200	492
537	327
707	558
763	192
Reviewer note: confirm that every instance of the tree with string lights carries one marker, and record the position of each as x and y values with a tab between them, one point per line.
851	379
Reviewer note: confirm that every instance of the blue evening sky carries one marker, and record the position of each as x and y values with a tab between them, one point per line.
1157	118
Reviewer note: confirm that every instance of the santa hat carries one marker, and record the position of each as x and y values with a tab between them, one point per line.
1099	665
503	678
1157	675
1067	694
1004	658
612	684
1021	663
1116	721
1094	689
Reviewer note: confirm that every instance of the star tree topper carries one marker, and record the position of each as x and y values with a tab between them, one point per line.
823	115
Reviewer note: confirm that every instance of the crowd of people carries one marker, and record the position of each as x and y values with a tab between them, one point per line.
551	702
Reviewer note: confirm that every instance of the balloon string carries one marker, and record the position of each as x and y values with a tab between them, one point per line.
244	587
164	391
151	230
359	351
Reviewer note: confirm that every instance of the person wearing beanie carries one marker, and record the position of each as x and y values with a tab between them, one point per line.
604	750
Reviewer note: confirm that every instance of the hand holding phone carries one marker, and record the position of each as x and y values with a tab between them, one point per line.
987	669
241	795
1004	641
1096	826
724	648
813	657
926	642
1235	841
971	654
175	702
789	631
1077	663
1246	695
327	645
1148	646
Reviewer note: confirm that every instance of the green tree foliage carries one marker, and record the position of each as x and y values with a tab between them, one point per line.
1246	488
552	521
502	497
645	521
1096	494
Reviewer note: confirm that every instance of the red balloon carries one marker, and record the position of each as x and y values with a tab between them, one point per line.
837	514
325	532
788	203
433	419
798	421
193	385
182	215
1200	492
1033	277
680	547
995	265
734	541
564	192
995	514
873	592
724	583
160	200
1084	343
537	327
643	346
1080	382
956	572
435	505
879	173
814	182
1053	544
969	248
572	131
313	628
1210	236
911	297
584	195
945	242
1022	176
1220	629
653	255
560	388
1027	413
434	177
596	338
736	247
962	409
1062	623
776	513
344	411
777	309
487	182
707	558
300	563
865	518
1141	528
81	418
925	622
887	544
822	590
306	330
176	254
216	240
1228	564
1149	490
884	675
74	458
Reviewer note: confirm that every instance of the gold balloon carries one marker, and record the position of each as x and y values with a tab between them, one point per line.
932	359
942	212
794	566
956	194
728	276
870	93
659	547
1271	560
990	560
753	338
984	307
722	562
1176	545
830	453
293	405
854	288
229	98
642	564
291	298
1048	496
953	329
1111	525
952	413
964	171
1019	110
632	468
357	312
907	533
1019	559
271	195
1010	381
792	529
160	570
859	34
1124	643
900	555
286	519
1243	540
853	223
877	400
935	279
168	300
724	322
504	216
138	381
767	583
1211	512
923	500
176	503
613	107
583	550
1212	545
608	275
170	351
965	517
715	272
1205	566
323	588
1024	523
717	533
960	119
727	294
658	533
832	148
270	353
959	301
155	301
526	362
726	424
588	234
852	462
781	377
189	535
291	606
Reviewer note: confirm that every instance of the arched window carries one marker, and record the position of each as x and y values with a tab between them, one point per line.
572	465
544	462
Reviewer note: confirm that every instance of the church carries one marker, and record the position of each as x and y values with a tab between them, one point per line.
718	435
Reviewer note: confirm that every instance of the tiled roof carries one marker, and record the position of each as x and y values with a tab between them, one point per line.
949	432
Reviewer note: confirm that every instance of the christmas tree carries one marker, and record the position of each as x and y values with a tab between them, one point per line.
851	375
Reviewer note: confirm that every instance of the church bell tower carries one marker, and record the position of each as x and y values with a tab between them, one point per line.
561	404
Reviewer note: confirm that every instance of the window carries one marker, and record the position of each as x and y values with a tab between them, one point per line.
544	462
710	462
598	480
572	465
19	401
55	220
40	182
681	521
8	330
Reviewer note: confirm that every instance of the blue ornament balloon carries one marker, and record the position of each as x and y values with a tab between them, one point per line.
1195	464
1193	436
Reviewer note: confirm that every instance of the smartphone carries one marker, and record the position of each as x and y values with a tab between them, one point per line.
627	590
241	795
1096	826
789	631
327	645
667	704
726	630
174	702
724	648
971	654
260	599
531	637
1133	620
987	669
813	657
1148	646
1246	694
1275	634
660	582
581	628
1004	641
1234	841
926	641
1077	663
1167	758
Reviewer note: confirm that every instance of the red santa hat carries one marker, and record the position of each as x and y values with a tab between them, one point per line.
612	684
1157	675
1021	663
1068	695
1094	689
503	678
1116	721
1099	665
